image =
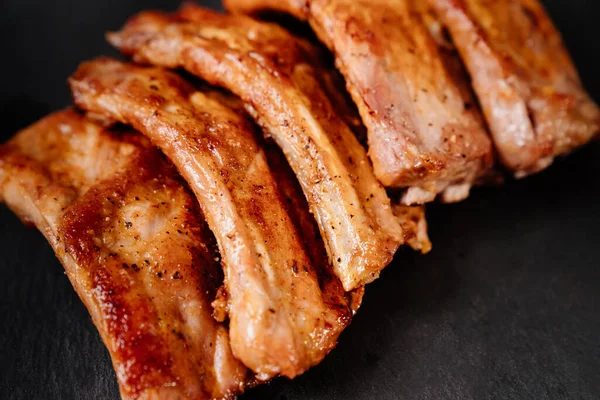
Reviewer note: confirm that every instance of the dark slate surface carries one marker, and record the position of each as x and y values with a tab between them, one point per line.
506	306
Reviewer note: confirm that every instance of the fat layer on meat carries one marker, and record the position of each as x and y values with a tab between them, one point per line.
134	246
270	70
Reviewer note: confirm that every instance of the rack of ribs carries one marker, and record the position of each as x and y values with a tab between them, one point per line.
423	134
281	322
135	247
528	87
272	73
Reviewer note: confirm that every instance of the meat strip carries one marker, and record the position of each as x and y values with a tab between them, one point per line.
528	87
134	246
297	207
269	69
423	134
281	322
411	218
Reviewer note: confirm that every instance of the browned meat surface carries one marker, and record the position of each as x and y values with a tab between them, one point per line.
133	244
268	69
423	133
414	225
280	320
527	85
411	218
298	209
450	57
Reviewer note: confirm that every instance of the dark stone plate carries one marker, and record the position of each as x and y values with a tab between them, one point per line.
506	306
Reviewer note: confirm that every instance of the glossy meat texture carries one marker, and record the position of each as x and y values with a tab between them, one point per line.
135	248
423	133
269	69
297	207
280	320
534	102
411	218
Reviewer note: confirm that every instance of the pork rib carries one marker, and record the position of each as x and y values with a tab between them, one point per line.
297	207
528	87
280	321
424	135
133	244
268	69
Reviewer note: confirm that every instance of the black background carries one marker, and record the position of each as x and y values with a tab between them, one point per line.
506	305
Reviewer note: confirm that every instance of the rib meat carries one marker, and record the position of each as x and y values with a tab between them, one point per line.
135	248
423	133
297	207
527	85
269	69
280	320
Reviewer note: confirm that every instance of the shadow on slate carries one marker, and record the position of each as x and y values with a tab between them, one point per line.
503	308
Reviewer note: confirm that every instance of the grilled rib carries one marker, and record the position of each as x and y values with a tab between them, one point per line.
135	248
268	69
423	134
280	320
528	87
411	218
297	207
